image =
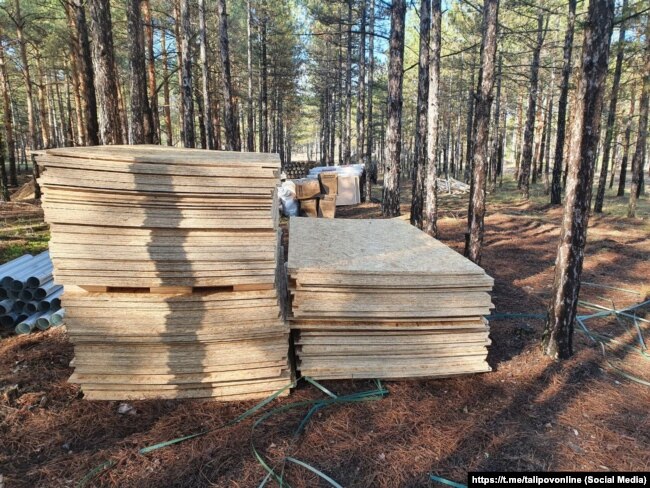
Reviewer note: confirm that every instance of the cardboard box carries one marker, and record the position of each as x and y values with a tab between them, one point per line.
328	182
327	206
307	188
309	208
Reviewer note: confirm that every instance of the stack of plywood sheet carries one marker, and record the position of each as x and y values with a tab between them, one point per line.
381	299
170	262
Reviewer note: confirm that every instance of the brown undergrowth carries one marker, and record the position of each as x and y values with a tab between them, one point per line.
529	414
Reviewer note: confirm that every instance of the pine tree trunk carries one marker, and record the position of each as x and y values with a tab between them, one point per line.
361	99
557	339
167	111
433	118
470	125
154	118
42	103
22	44
139	130
86	85
482	118
626	149
611	115
8	123
558	161
494	151
4	185
420	160
110	127
250	134
207	128
527	152
229	105
390	203
370	167
639	153
264	94
347	144
189	139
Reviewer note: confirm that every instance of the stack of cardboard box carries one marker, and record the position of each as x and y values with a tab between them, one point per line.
318	196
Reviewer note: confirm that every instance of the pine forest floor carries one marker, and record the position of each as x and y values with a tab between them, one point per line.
530	413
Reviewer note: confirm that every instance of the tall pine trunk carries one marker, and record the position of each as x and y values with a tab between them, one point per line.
347	143
140	131
106	89
370	167
22	44
154	118
208	129
390	201
557	339
639	153
361	99
8	123
611	115
482	118
558	160
420	159
232	141
167	110
626	148
250	134
189	139
86	78
433	118
527	152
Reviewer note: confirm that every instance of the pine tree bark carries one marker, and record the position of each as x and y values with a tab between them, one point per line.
22	43
167	111
42	103
205	78
469	125
140	131
390	201
250	134
626	148
361	98
226	81
420	160
86	85
264	93
527	152
4	185
558	160
154	118
611	115
557	339
433	118
347	133
189	139
642	138
496	138
8	123
483	107
370	167
106	89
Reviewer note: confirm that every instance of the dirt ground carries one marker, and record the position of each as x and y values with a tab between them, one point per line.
530	413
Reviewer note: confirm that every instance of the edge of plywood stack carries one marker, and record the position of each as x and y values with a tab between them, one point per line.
172	265
381	299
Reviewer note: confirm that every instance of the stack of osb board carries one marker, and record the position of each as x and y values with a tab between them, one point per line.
381	299
170	260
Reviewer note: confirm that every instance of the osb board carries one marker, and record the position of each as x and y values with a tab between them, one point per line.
393	315
177	379
404	339
165	370
372	246
218	395
152	234
390	281
50	162
167	155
